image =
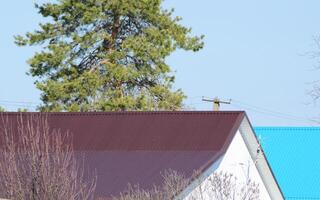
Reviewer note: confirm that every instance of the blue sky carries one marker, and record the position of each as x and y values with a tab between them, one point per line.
255	54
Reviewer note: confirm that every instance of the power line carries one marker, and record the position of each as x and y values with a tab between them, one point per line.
14	105
235	103
268	110
264	111
18	106
19	102
216	102
272	113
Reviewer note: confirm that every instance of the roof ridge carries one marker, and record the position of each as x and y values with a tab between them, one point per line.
127	113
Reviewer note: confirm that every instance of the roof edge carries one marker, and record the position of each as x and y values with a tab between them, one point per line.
219	154
125	113
264	176
230	137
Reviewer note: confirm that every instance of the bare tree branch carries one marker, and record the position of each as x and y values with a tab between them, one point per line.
37	163
219	186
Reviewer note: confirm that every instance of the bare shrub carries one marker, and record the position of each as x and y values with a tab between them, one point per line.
173	184
37	163
219	186
226	186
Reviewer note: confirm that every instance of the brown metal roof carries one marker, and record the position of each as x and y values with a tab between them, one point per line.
134	147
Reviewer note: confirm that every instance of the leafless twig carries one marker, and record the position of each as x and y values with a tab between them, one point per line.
38	163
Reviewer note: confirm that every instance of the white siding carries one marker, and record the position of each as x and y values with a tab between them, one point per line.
236	161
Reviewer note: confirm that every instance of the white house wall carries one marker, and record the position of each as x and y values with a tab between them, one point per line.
236	161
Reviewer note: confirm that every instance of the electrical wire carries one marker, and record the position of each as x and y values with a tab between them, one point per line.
267	112
235	103
19	102
15	105
276	114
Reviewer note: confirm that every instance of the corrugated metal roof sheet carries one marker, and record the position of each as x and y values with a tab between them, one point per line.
135	147
293	155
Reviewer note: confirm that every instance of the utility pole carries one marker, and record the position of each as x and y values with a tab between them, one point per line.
216	102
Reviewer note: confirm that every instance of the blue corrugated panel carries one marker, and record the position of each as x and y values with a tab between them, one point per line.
294	156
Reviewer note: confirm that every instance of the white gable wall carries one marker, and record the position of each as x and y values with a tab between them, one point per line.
237	161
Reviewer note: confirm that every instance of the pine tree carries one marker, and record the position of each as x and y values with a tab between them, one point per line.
2	109
107	55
